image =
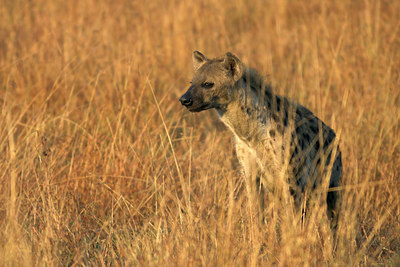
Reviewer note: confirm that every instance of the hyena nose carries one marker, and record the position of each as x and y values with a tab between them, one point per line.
186	101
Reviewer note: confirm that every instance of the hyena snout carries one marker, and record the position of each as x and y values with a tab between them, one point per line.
186	100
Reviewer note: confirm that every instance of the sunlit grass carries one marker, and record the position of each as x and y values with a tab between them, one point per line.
100	164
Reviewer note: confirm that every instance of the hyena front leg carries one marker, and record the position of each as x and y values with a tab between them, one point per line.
252	173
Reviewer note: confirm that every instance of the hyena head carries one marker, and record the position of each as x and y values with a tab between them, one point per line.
213	82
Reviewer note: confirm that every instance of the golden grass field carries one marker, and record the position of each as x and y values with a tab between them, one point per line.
101	165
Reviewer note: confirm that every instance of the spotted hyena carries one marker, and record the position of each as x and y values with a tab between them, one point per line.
275	137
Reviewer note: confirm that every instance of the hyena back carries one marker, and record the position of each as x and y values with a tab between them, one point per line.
275	137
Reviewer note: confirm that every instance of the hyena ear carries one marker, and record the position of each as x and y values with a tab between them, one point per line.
198	59
233	65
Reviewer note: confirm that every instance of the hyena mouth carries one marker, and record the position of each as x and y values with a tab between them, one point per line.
200	108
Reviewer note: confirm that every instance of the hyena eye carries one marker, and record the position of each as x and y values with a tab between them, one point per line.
207	85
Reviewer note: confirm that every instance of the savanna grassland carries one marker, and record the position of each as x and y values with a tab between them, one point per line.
100	165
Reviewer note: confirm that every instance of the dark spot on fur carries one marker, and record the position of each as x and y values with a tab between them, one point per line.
272	133
292	143
279	128
278	104
326	143
313	121
302	144
314	129
292	192
298	130
296	151
286	121
248	111
306	136
317	146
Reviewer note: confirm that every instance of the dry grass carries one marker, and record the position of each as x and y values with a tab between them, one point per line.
101	165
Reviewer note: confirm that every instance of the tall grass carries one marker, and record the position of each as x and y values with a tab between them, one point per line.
101	165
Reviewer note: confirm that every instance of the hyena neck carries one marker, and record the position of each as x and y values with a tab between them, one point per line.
253	104
248	108
237	119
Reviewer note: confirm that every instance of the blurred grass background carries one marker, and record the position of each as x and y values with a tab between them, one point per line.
101	165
